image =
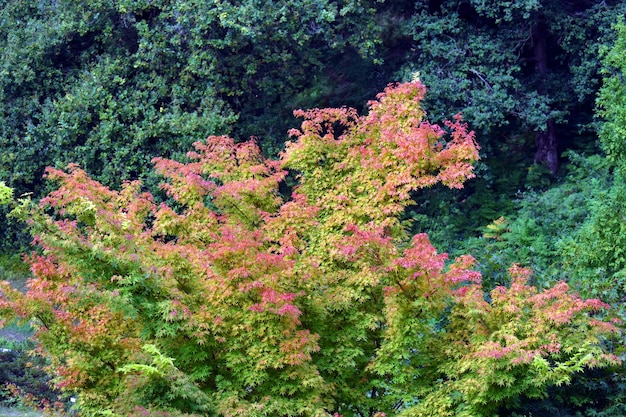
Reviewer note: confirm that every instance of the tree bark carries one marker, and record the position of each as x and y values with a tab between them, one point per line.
547	147
546	140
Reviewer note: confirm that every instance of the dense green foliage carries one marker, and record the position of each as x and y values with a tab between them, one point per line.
74	89
22	372
111	84
507	61
612	100
596	255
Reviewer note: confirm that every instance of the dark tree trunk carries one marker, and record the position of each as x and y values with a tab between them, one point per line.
434	6
546	140
547	145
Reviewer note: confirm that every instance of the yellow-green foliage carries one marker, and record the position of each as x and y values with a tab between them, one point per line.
233	301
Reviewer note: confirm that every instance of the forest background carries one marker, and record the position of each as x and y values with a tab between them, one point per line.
110	85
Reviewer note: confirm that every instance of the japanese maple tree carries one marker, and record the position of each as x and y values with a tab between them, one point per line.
233	299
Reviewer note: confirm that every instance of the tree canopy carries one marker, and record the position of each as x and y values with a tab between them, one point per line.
236	300
529	66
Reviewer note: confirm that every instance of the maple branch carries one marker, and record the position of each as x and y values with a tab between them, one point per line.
236	207
398	405
404	290
43	322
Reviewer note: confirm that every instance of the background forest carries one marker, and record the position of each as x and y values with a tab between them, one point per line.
112	84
